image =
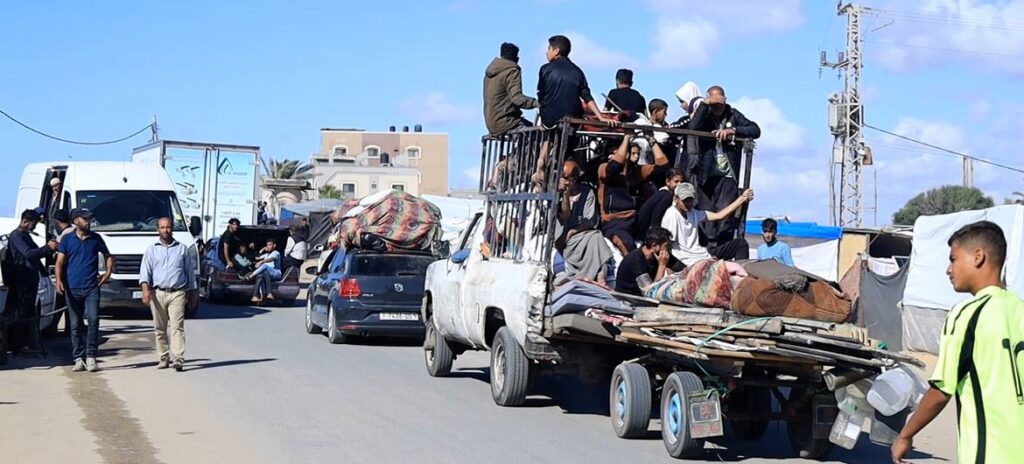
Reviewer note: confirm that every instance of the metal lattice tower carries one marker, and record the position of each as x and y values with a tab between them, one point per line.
846	120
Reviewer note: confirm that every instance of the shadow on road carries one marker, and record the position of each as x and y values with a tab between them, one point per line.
217	311
384	341
197	364
570	394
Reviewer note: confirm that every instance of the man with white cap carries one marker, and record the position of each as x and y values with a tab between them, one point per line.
56	187
683	222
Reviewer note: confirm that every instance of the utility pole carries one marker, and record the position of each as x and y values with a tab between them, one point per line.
968	172
846	121
154	131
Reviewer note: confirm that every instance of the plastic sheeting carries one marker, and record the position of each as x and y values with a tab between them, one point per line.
820	259
922	328
878	306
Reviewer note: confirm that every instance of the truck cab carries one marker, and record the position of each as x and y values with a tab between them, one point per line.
127	199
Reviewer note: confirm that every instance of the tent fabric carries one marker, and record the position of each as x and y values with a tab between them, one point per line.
883	266
815	248
922	328
306	207
878	306
799	229
927	285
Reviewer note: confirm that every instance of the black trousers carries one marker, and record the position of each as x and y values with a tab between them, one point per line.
21	304
714	195
733	249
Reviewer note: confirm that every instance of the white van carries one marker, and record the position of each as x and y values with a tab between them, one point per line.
126	199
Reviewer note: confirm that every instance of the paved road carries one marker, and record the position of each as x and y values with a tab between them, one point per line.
258	389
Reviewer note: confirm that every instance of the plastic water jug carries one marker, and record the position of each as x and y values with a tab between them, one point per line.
846	429
895	390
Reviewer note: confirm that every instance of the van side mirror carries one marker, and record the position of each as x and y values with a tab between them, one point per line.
195	226
311	270
460	256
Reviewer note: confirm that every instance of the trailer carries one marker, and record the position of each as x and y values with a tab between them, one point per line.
213	181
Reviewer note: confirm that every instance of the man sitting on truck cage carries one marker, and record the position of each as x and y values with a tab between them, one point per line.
646	264
621	192
684	221
230	243
653	210
625	98
717	169
580	243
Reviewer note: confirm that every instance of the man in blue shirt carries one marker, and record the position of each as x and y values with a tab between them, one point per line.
167	277
268	269
773	248
79	281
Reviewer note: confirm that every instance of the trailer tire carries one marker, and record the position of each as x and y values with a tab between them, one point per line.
437	353
510	370
750	400
800	430
675	424
630	400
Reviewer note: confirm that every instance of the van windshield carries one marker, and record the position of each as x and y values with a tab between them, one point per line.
130	210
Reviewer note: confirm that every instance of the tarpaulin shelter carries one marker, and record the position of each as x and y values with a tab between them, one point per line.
318	213
456	214
815	247
928	296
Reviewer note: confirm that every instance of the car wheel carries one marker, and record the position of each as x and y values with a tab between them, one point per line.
510	370
211	296
311	328
333	335
437	352
630	400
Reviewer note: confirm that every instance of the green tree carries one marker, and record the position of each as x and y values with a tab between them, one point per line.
942	200
330	191
288	169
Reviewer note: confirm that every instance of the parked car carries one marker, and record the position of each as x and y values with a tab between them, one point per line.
218	284
46	299
366	293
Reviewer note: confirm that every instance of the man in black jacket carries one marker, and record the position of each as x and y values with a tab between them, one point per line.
716	170
562	89
24	267
624	97
503	93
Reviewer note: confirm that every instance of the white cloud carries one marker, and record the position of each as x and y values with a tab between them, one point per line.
472	175
588	54
777	132
436	108
685	43
941	133
690	31
987	33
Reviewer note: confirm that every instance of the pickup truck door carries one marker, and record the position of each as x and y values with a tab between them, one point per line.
451	308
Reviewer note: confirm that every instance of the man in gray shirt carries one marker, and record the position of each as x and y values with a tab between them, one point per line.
168	276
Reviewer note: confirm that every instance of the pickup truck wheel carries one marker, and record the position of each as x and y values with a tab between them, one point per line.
436	352
311	328
333	335
209	294
510	370
675	422
630	399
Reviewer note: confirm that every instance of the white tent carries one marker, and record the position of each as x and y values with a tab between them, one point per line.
456	214
928	295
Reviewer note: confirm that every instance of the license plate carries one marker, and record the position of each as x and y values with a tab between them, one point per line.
137	295
399	317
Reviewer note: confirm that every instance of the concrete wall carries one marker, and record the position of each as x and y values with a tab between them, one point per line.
368	181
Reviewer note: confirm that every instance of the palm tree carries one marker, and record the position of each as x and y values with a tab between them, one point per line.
288	169
330	191
1016	199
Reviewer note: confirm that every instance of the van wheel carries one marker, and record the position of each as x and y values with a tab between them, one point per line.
437	352
333	335
510	370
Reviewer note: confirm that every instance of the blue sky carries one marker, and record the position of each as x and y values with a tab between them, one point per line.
272	73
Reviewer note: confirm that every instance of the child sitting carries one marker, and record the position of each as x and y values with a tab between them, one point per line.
243	260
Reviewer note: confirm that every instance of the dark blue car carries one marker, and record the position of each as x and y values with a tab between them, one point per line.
367	293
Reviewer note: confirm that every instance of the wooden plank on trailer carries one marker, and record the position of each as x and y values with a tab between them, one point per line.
710	352
837	356
684	316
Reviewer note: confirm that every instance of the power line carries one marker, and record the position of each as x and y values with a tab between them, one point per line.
936	147
951	20
942	49
74	142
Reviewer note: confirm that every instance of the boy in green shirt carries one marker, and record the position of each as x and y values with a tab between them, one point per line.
981	356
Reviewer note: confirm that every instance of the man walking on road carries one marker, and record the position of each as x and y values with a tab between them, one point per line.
980	360
79	282
167	277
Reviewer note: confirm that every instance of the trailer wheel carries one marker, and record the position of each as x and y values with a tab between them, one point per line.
675	424
510	370
750	400
437	352
630	400
800	429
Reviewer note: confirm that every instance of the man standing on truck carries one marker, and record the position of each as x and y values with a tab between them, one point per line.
167	277
24	267
684	219
230	243
77	280
980	360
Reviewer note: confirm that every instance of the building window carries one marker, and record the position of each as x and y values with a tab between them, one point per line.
373	151
413	153
348	189
399	187
340	150
321	159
